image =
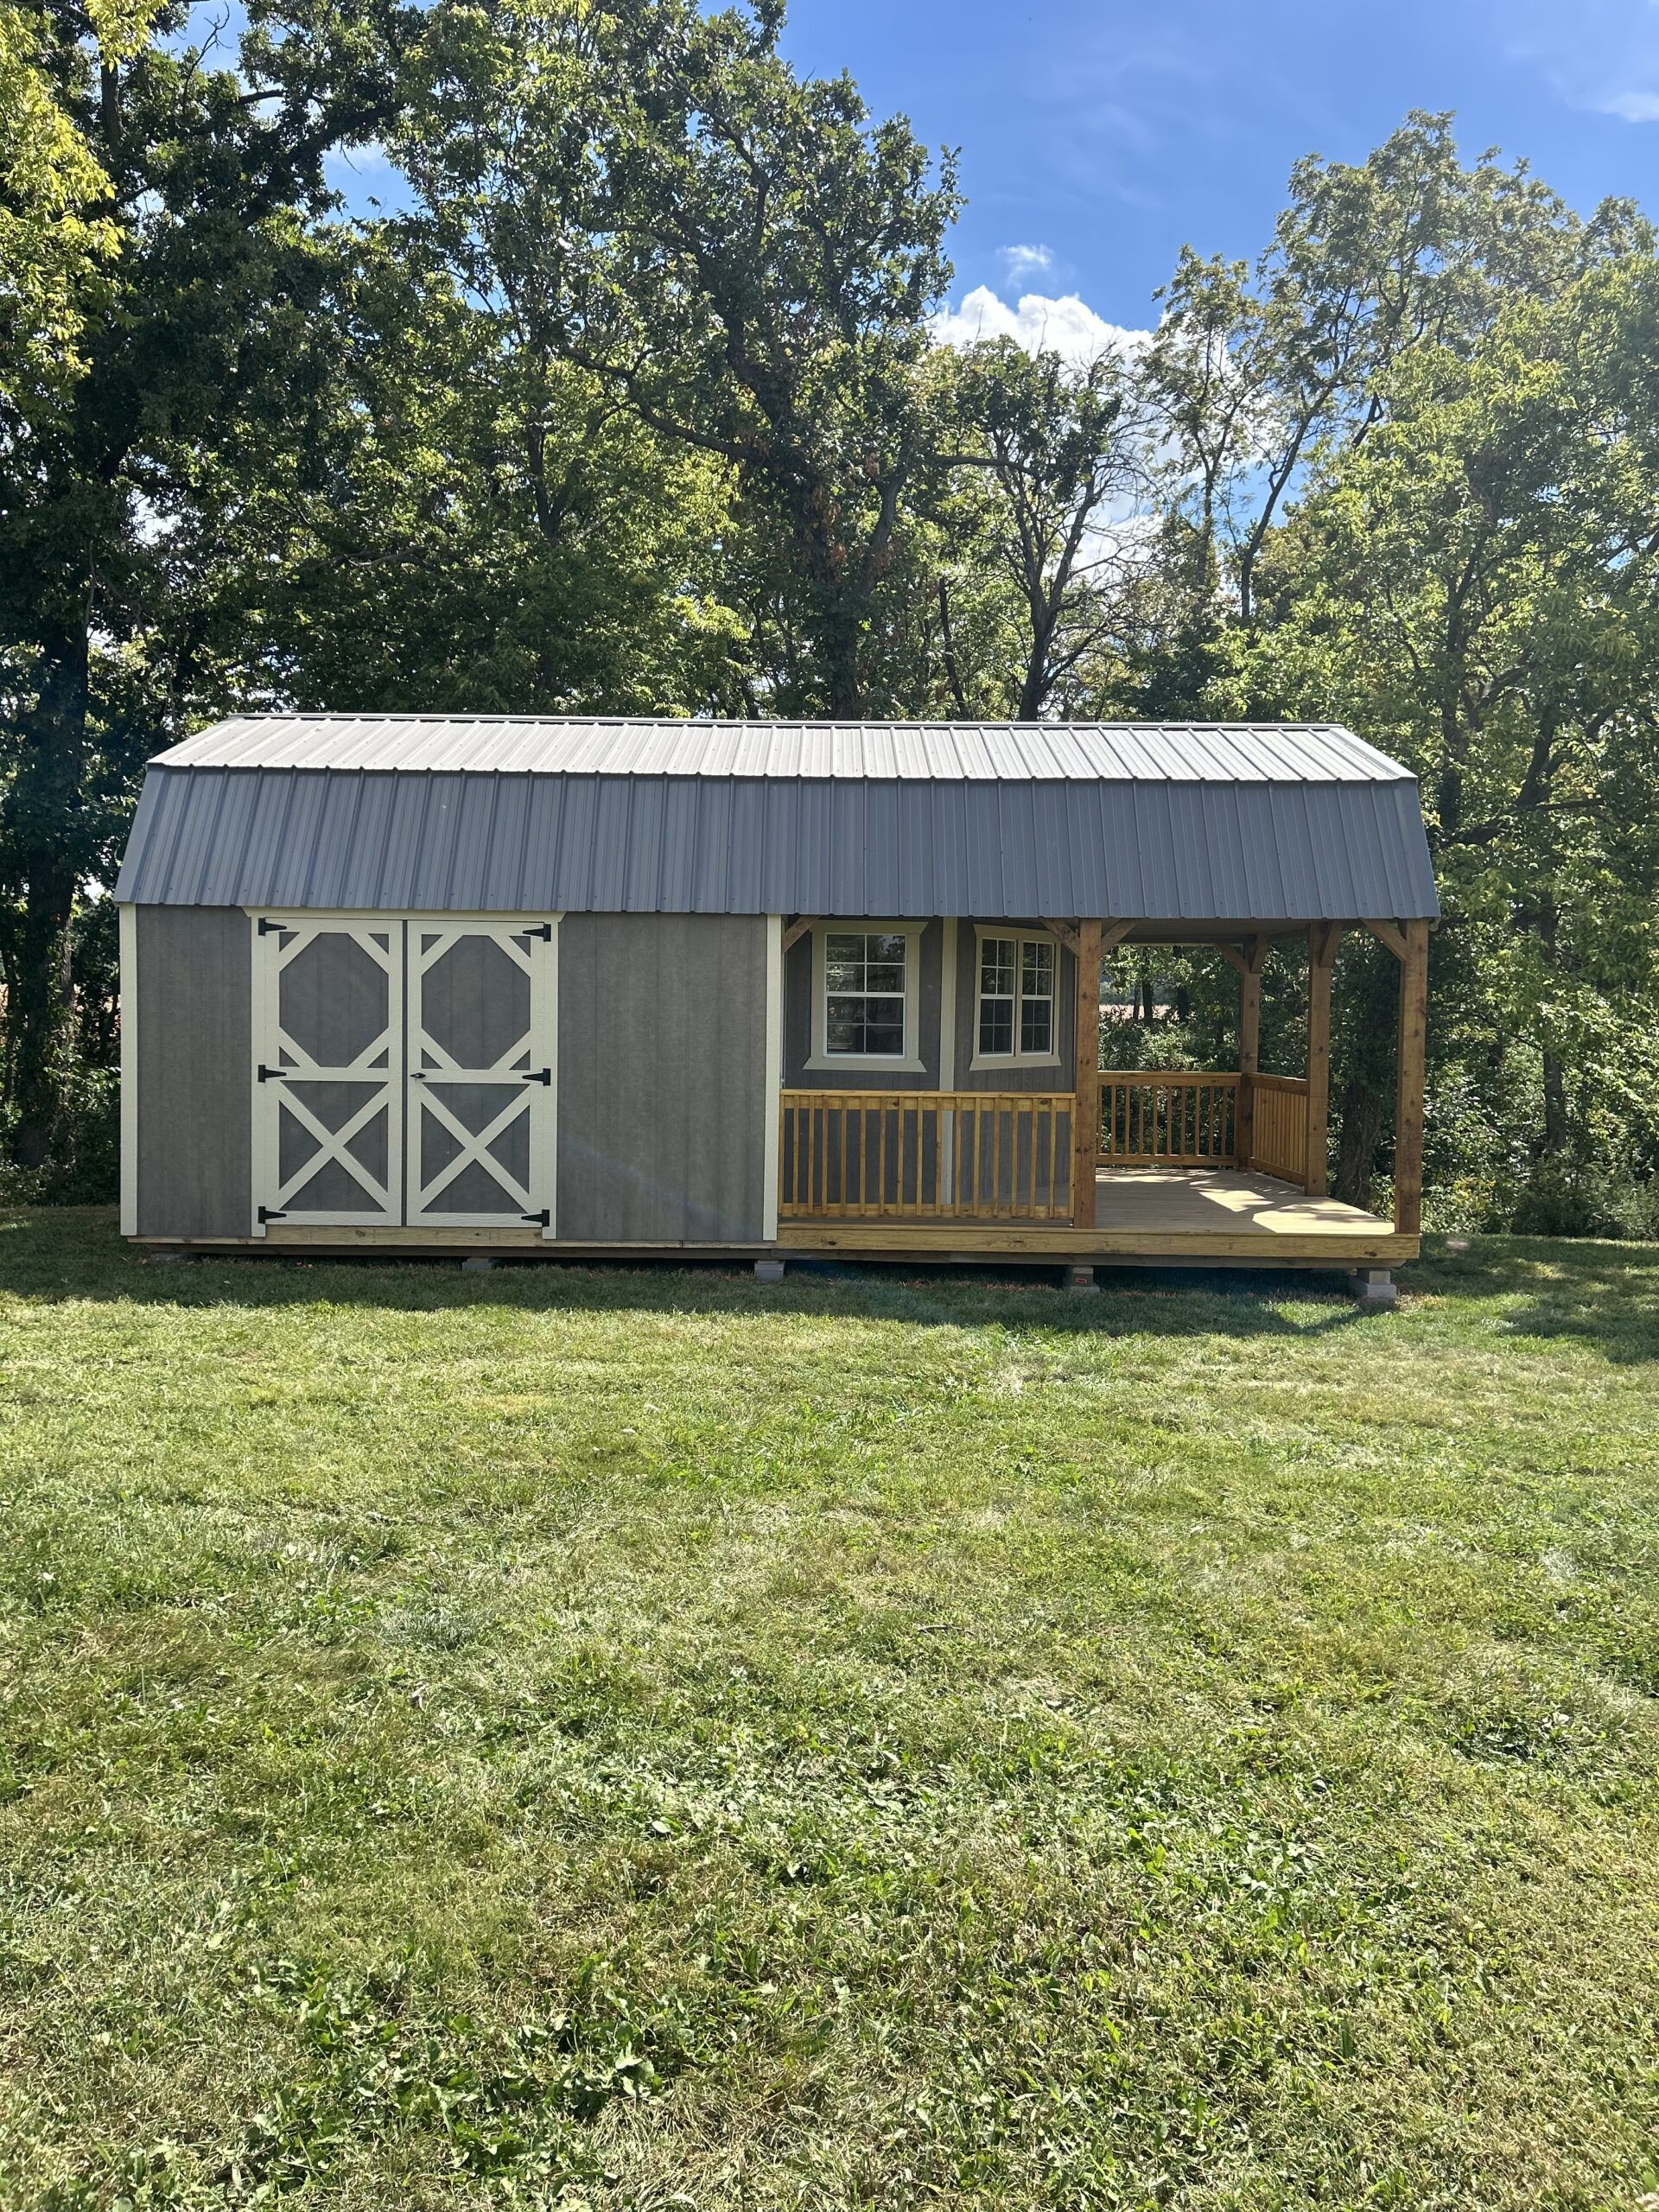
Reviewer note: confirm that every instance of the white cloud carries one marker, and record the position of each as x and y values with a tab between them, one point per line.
1601	56
1631	107
1066	325
1020	262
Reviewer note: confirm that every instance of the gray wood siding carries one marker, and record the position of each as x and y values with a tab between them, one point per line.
194	1048
1012	1077
662	1084
801	982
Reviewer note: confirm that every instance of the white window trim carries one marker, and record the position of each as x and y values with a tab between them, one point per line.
1016	1058
908	1062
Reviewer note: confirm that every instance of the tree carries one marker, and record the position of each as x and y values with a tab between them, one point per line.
1061	447
56	237
1477	586
1256	371
453	524
654	196
208	272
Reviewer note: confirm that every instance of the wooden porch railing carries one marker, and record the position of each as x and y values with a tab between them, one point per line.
1279	1145
1154	1118
938	1156
994	1155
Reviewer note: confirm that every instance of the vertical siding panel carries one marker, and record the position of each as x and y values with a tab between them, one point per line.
663	1094
195	1051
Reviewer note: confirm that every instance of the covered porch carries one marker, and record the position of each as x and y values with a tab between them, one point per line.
1138	1164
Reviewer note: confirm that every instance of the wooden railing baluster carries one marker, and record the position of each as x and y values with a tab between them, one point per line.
988	1148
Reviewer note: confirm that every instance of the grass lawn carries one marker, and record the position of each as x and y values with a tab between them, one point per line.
634	1739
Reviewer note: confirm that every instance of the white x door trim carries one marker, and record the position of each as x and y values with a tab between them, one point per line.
281	1061
526	1070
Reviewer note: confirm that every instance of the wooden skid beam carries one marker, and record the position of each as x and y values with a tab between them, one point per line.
1106	1247
1338	1248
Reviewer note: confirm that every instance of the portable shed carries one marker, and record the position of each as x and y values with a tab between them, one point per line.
584	987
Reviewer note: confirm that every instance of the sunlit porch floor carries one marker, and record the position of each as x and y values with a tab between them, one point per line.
1141	1214
1180	1200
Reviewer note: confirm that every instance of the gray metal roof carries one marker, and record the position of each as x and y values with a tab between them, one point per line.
875	752
1172	823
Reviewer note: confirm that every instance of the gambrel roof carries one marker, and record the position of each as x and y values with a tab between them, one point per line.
1193	822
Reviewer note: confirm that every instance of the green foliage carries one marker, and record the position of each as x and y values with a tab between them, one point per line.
637	410
1474	587
1060	448
563	1737
740	253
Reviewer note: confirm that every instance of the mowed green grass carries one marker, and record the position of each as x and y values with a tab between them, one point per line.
640	1739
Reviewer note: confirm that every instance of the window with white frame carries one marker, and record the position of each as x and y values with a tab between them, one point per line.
866	1003
1016	998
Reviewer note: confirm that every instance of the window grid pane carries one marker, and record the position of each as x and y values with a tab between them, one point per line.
995	1025
996	965
864	993
1037	968
1037	1025
1016	997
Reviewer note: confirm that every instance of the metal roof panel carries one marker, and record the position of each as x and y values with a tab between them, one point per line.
861	751
1164	838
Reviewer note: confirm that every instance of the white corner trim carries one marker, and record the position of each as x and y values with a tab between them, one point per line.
948	1009
127	918
823	1058
774	1085
261	1168
550	1045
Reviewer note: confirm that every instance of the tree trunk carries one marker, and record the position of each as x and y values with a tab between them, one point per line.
1362	1132
953	672
1035	689
1556	1130
35	1008
40	815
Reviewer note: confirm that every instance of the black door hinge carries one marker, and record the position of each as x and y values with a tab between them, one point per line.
266	926
541	1220
266	1213
540	1075
542	930
270	1075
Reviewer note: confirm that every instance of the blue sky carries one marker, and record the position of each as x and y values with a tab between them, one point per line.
1097	136
1108	134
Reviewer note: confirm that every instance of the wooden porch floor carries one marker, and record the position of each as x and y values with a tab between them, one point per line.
1221	1201
1194	1214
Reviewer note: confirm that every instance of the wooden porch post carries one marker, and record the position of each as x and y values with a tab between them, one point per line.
1250	1049
1085	1091
1322	941
1408	1082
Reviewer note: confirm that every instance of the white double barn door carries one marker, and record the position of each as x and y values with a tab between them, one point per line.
404	1071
